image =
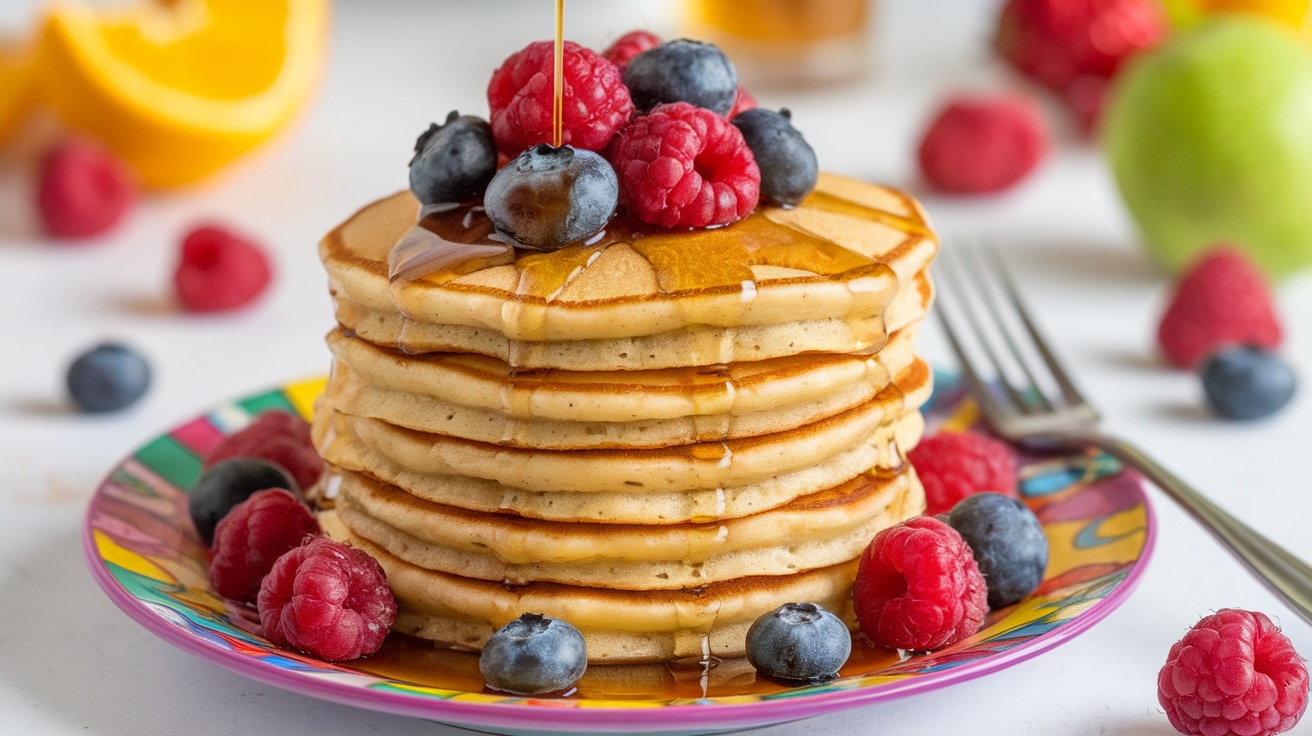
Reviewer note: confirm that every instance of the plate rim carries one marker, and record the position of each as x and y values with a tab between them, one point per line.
531	714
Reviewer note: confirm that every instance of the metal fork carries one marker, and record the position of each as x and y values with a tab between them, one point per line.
1028	398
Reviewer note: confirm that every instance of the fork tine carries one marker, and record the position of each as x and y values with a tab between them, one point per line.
1068	390
976	385
1020	398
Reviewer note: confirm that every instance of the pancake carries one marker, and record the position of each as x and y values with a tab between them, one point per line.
350	463
451	415
617	626
765	287
817	530
686	467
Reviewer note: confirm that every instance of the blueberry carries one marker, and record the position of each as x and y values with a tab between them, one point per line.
1247	383
1008	543
550	197
532	655
107	377
227	484
682	71
788	165
454	160
798	642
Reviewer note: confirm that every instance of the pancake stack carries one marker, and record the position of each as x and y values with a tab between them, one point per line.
656	436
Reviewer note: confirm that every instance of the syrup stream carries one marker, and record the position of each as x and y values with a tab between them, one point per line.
558	83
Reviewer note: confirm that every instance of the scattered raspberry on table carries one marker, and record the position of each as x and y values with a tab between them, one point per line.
1234	672
981	145
219	271
83	189
1221	299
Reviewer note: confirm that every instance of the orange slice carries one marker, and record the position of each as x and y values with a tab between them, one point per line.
179	90
1296	14
16	88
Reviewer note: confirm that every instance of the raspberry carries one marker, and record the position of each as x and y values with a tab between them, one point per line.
520	95
954	465
83	190
280	437
742	103
628	46
1233	673
1057	41
979	145
918	587
1085	97
327	599
1221	299
684	166
254	534
219	271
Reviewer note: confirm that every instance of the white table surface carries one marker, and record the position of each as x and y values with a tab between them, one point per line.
71	663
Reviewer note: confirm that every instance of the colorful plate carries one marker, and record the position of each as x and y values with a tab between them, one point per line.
143	551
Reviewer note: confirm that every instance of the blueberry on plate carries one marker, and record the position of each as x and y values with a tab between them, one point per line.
789	169
1247	382
798	642
1008	542
550	197
228	483
683	71
454	160
533	655
107	377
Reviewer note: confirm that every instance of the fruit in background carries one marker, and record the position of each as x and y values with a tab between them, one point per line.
17	72
107	377
1247	383
1056	42
83	190
1293	13
1208	139
219	271
180	90
982	145
1222	299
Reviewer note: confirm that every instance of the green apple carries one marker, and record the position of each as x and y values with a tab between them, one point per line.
1210	139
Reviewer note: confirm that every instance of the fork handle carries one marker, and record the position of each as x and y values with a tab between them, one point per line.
1284	574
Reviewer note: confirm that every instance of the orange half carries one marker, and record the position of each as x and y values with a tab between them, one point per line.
16	87
180	90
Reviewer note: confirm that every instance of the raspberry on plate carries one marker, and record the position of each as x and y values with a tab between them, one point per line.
954	465
1234	672
628	46
520	95
280	437
252	536
918	587
219	271
1056	41
327	599
982	145
83	190
684	166
1222	299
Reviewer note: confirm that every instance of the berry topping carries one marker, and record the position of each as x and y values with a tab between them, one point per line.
1247	383
1221	299
744	103
532	655
1007	541
327	599
280	437
798	642
83	190
1056	41
978	145
685	166
787	162
628	46
918	587
683	71
107	377
520	95
550	197
227	484
219	271
1234	672
251	537
954	465
454	160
